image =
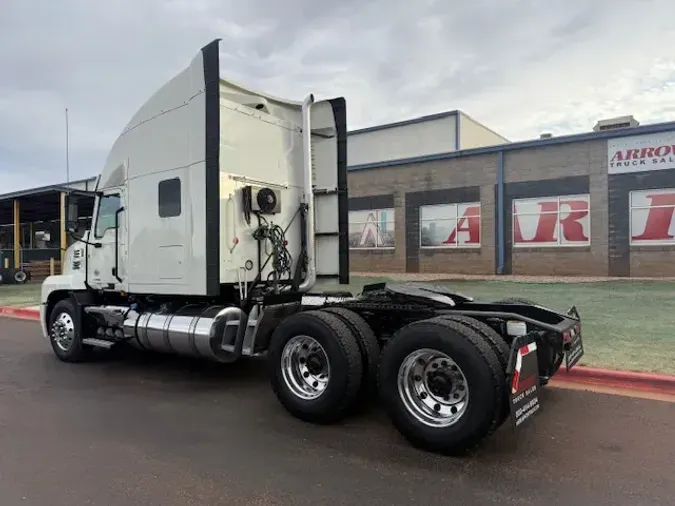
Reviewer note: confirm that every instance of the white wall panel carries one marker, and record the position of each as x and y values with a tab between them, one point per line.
472	134
404	141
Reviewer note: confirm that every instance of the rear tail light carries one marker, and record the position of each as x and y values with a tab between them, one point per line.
570	334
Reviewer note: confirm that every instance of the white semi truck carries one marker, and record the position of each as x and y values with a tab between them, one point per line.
218	209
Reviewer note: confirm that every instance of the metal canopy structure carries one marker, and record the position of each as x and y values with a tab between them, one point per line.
38	204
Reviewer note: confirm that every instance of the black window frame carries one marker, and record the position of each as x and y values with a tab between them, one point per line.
173	208
117	195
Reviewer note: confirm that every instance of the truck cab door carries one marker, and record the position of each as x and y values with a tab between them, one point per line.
107	263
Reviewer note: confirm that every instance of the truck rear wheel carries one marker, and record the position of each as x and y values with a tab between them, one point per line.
316	367
497	344
442	385
495	341
370	353
65	334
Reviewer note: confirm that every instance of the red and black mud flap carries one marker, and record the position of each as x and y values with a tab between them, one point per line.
572	342
523	381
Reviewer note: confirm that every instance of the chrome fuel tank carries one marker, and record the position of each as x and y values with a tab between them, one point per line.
195	331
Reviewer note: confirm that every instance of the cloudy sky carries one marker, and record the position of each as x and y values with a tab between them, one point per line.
519	66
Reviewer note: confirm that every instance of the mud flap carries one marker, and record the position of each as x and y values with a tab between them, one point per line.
523	380
573	345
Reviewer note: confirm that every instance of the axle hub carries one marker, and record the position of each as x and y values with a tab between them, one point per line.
440	383
315	363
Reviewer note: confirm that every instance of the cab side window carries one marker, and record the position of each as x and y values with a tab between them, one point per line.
107	207
169	198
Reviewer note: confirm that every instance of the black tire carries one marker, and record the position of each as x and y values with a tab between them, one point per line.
484	377
8	278
76	352
496	341
497	344
370	354
20	277
342	351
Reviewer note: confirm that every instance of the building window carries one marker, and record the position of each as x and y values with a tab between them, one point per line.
169	198
108	205
450	226
371	229
651	217
552	221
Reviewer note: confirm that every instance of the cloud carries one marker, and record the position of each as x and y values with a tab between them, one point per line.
520	66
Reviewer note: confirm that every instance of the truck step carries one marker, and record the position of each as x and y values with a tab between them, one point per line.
100	343
229	348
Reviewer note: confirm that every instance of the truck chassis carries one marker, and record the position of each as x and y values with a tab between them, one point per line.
447	369
178	229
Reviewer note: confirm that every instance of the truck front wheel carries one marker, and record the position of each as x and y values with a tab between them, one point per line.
442	385
65	333
316	367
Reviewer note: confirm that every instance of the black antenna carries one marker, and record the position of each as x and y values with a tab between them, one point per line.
67	150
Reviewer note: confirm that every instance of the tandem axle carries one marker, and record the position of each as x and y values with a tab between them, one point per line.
448	370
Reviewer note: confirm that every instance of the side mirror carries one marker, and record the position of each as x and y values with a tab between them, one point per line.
71	213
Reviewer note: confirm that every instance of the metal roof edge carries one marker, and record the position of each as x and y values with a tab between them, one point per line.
535	143
42	189
412	121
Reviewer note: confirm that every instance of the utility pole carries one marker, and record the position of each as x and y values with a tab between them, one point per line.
67	150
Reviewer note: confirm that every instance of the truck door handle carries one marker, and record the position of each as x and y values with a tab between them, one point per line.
115	270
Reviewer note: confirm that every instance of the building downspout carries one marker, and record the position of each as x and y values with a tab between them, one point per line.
500	212
457	131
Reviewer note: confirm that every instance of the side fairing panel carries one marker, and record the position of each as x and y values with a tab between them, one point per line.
329	147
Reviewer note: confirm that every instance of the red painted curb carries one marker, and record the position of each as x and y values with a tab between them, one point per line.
619	379
22	313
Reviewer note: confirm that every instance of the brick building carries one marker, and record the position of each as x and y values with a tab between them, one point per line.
599	203
444	193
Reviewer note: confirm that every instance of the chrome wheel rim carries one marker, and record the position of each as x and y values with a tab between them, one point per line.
433	388
305	367
63	331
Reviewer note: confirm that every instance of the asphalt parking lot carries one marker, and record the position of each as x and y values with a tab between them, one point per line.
164	431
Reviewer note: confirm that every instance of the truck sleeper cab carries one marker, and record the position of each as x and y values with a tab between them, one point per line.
218	209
